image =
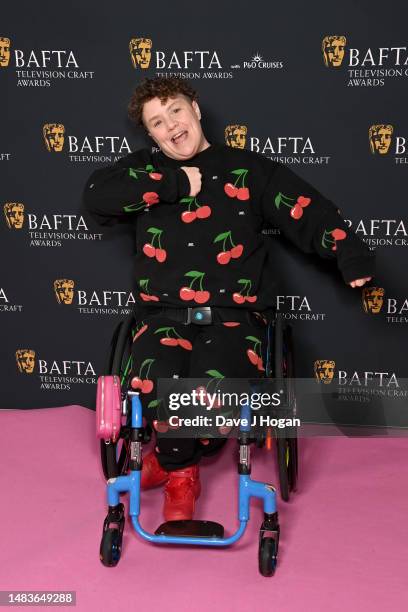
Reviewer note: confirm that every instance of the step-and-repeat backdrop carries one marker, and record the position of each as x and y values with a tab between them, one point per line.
319	87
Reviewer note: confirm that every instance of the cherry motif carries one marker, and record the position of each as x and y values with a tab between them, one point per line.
161	255
238	298
185	344
260	365
296	212
243	193
149	298
144	384
156	176
296	209
203	212
160	426
186	293
201	297
230	190
252	356
146	297
188	216
338	234
224	257
150	197
149	249
236	251
231	323
147	385
303	202
169	341
140	332
136	382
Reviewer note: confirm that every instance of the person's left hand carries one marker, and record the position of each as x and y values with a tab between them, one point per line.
359	282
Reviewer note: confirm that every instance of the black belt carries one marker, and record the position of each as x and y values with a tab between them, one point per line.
202	315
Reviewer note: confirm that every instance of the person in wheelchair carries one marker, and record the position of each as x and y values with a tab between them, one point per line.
203	278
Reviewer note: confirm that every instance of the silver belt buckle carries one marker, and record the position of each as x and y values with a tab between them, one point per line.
199	316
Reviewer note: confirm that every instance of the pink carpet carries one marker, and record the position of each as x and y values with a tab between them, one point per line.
344	535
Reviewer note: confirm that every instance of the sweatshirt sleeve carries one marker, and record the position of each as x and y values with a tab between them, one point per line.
313	223
130	186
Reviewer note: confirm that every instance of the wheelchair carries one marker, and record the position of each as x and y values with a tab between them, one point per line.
119	457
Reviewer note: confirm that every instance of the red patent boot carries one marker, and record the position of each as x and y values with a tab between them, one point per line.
182	489
153	474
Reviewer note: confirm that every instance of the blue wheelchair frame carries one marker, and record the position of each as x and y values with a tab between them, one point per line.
131	484
118	483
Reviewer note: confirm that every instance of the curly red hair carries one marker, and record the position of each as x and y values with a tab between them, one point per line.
158	87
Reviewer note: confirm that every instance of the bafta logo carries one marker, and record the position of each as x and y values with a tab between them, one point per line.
4	51
235	136
324	370
373	298
64	290
14	214
333	50
140	52
25	360
380	138
54	136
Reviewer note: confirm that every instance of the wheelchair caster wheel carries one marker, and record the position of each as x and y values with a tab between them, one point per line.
111	547
268	544
267	556
111	543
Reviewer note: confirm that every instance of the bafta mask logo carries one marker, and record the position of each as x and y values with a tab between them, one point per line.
14	214
235	136
373	299
25	360
333	50
140	52
54	136
380	138
64	290
324	370
4	51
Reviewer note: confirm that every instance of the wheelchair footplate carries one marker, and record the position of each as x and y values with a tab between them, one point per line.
200	529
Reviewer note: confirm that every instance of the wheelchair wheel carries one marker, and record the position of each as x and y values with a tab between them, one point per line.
111	547
115	455
286	441
267	556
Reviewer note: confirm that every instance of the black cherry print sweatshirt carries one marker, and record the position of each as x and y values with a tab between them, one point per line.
209	250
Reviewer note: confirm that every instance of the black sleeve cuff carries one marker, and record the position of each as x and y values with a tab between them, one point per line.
183	184
360	267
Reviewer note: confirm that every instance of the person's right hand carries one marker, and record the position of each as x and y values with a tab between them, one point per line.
194	176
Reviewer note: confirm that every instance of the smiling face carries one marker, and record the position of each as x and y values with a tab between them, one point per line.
175	126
